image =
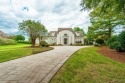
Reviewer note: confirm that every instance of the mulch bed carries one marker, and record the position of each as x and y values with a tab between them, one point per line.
32	47
118	56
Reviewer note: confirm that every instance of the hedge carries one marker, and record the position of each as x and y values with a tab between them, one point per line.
7	41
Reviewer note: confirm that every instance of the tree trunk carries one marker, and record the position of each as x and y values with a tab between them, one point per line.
40	38
33	41
110	32
124	11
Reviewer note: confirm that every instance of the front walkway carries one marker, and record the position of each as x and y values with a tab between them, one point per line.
38	68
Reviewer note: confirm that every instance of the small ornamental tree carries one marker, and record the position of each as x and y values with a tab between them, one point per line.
33	28
44	44
100	41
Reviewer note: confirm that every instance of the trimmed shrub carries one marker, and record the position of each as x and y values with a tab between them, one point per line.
44	44
117	42
25	42
120	49
60	45
96	44
115	45
100	41
112	39
7	42
70	44
122	38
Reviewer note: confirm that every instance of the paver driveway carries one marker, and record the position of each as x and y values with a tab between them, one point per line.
38	68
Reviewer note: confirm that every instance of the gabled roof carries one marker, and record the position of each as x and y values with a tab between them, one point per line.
80	33
61	29
51	32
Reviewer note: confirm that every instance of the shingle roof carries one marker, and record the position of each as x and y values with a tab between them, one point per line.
61	29
80	32
53	32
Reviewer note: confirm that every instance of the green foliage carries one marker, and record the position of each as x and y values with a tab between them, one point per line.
7	42
79	29
96	45
105	5
44	44
86	41
112	39
12	37
19	38
25	42
105	16
117	42
115	45
100	41
122	38
60	45
33	28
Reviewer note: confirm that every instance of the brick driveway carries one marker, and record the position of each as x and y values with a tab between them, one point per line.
38	68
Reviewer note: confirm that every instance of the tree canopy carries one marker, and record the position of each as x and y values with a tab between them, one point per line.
117	6
33	28
19	38
79	29
105	15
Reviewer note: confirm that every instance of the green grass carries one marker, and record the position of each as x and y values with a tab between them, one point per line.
88	66
8	47
11	52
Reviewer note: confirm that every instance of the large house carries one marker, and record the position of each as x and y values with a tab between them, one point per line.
64	36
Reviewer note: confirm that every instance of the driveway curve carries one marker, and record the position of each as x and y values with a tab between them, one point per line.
37	68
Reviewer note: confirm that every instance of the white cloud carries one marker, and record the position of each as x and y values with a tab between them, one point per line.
52	13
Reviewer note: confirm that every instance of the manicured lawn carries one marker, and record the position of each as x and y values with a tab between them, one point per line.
6	47
11	52
88	66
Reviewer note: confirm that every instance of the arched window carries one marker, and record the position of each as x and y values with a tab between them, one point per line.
65	34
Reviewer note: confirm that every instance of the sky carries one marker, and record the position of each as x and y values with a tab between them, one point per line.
53	14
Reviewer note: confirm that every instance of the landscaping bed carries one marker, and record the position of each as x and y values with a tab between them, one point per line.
113	54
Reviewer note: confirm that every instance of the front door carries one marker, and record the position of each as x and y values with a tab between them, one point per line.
65	40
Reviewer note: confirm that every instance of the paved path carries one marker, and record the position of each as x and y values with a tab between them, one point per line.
38	68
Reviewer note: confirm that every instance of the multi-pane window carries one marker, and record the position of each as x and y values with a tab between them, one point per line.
65	34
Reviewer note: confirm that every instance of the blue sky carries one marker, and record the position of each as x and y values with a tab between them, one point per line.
51	13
